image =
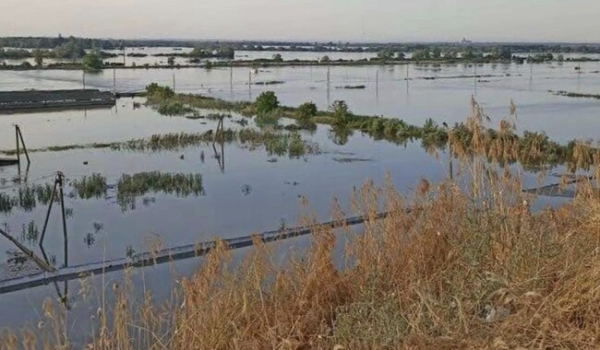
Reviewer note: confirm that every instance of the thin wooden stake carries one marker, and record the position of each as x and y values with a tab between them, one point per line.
18	146
48	214
64	217
23	143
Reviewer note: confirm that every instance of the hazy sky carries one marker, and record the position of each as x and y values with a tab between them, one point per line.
313	20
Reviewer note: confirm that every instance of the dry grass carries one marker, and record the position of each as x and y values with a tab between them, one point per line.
468	267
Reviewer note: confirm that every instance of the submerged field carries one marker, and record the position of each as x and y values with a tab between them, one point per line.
138	181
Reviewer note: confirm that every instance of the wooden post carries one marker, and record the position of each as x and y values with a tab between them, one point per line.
250	84
18	146
83	71
48	216
114	81
174	87
59	180
23	143
30	254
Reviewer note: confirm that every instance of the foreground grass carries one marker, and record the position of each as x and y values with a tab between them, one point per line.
452	267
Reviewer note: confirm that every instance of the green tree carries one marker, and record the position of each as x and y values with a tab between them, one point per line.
171	61
199	52
436	53
468	53
226	52
157	92
421	55
505	53
277	57
325	59
385	55
265	103
38	56
450	54
92	61
341	113
306	111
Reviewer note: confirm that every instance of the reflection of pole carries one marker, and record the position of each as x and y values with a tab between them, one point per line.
83	80
30	254
475	77
531	76
250	84
231	77
223	156
377	85
328	85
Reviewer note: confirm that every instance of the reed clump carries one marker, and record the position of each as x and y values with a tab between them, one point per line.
93	186
26	198
129	187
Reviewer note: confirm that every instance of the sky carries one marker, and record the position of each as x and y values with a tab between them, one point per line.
307	20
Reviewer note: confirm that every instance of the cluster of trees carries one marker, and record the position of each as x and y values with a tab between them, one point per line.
212	52
440	53
14	54
92	61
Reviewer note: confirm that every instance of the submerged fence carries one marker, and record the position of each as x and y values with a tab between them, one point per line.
34	99
171	254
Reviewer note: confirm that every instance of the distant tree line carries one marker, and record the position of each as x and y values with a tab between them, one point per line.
70	45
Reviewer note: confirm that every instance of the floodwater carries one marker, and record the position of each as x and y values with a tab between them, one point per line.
248	190
440	92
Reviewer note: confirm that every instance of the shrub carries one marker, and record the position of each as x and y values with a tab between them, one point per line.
266	102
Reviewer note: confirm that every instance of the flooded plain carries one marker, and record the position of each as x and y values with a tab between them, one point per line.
182	195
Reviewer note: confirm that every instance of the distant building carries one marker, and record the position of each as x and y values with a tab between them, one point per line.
466	42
